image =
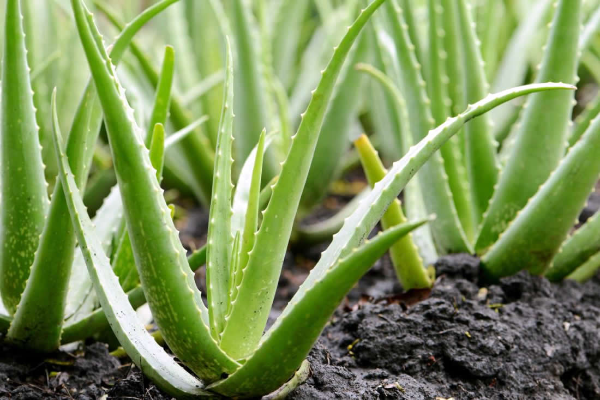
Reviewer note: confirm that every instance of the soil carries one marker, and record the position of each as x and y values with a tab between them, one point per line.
522	338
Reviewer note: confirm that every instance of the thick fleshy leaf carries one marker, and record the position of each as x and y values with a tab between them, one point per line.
576	250
24	197
160	257
533	156
139	344
220	239
534	237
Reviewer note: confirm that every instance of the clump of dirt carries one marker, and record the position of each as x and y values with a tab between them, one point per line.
523	338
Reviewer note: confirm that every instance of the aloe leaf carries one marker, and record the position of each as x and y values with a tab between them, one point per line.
535	156
588	270
584	120
364	218
334	139
301	323
526	242
515	61
220	239
451	153
250	311
39	26
251	101
162	99
252	210
37	323
88	118
203	88
24	197
384	115
246	184
447	232
576	250
207	38
591	30
405	255
195	148
413	195
140	346
481	147
160	258
288	25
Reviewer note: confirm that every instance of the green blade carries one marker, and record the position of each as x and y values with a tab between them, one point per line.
588	270
576	250
534	237
335	139
220	239
451	154
250	311
405	256
24	197
162	99
534	155
252	105
195	148
301	323
139	344
160	258
481	148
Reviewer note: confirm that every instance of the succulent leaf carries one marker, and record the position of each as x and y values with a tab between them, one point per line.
405	256
140	346
24	197
220	238
536	155
534	238
576	250
481	147
160	258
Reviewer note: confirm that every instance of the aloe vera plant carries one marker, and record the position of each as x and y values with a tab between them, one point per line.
223	342
491	201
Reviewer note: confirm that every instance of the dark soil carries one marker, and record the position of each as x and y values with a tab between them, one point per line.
522	338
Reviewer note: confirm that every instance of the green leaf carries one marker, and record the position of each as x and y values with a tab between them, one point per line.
576	250
481	147
24	197
527	242
139	344
301	323
405	256
195	148
515	61
160	258
220	239
438	80
251	309
535	156
588	270
335	139
251	103
162	99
